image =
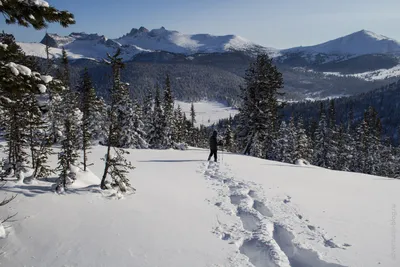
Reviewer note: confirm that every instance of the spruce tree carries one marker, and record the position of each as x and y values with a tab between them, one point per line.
147	113
19	82
259	113
168	108
228	139
321	142
68	156
192	115
89	107
303	149
115	164
39	140
157	137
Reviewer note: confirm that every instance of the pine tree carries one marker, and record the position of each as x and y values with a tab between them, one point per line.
147	113
88	106
34	13
179	131
332	136
115	164
19	82
71	131
39	140
157	137
68	156
17	87
303	149
258	116
321	142
168	108
228	140
192	115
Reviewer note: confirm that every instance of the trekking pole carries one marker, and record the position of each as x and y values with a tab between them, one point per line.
222	158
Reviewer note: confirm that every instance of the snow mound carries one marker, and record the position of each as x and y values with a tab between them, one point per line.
302	162
2	231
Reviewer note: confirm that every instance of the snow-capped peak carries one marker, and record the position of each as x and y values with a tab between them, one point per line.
357	43
162	39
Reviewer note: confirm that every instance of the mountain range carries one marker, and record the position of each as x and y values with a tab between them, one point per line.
208	66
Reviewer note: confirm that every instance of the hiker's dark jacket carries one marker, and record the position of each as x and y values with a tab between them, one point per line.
214	142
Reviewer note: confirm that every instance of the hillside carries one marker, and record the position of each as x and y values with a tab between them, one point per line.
187	212
359	43
385	101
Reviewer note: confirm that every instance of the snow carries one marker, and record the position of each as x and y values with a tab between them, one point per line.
4	46
358	43
42	88
46	78
242	211
39	3
207	112
380	74
17	69
2	231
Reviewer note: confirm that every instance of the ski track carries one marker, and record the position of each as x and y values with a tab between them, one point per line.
262	241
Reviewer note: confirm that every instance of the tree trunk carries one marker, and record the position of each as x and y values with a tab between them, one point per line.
107	159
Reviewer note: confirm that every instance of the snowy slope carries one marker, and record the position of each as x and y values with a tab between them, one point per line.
358	43
80	45
380	74
207	112
176	42
187	212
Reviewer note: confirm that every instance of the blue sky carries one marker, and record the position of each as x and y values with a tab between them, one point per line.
273	23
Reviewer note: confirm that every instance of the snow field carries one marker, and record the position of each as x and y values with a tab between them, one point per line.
242	211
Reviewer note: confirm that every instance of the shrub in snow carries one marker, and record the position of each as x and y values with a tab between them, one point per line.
3	220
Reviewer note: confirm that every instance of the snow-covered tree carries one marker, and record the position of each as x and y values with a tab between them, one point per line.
157	136
192	115
228	139
321	142
89	107
147	112
115	164
34	13
39	139
68	156
168	109
303	147
258	116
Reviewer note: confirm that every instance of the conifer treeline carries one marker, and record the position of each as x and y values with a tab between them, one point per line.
261	132
38	111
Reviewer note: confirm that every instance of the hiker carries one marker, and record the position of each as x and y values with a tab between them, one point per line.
214	146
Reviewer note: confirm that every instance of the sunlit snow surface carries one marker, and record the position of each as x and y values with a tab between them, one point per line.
239	212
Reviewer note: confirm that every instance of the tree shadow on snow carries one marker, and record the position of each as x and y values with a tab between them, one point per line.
29	190
95	188
171	160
